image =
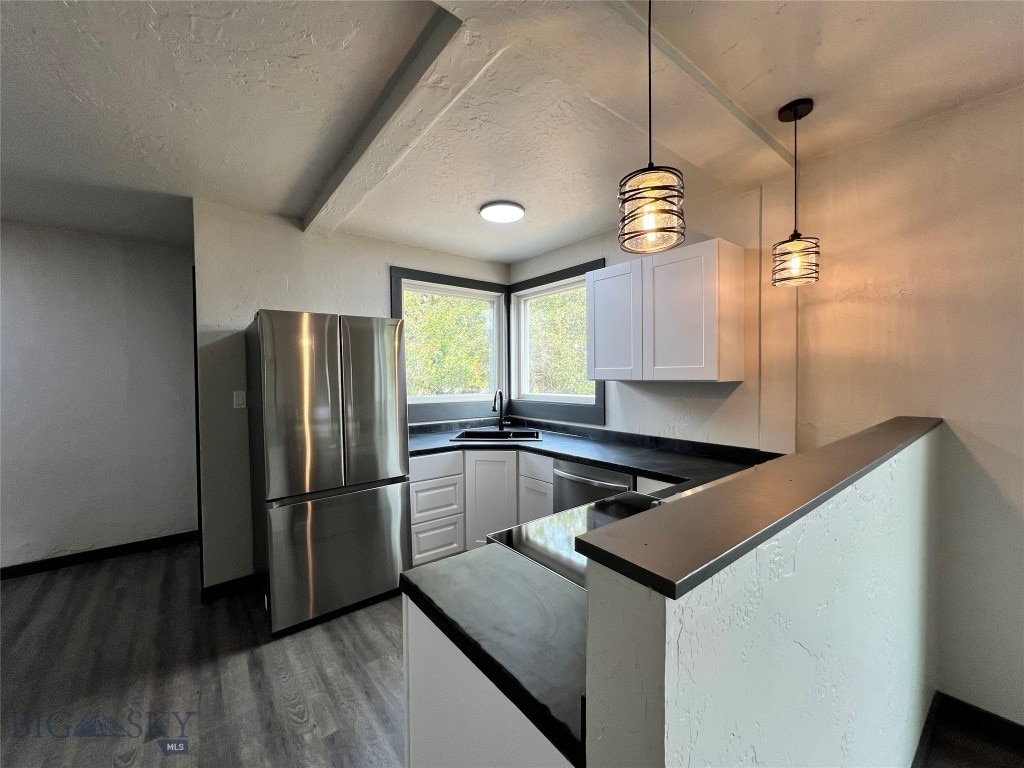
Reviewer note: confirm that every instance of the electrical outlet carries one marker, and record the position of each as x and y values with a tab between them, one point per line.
239	398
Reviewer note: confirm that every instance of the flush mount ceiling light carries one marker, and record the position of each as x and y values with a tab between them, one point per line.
795	261
651	199
502	211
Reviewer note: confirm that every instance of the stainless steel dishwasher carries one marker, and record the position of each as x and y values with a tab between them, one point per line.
577	484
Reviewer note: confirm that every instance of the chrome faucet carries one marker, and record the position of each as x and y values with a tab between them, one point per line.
498	405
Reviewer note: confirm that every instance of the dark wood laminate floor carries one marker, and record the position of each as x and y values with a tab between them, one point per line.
128	636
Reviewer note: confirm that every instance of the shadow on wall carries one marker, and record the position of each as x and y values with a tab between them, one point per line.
124	212
980	569
224	455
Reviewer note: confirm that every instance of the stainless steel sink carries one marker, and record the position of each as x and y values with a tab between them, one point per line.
496	434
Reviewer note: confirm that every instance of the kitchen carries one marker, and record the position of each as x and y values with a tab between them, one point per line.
142	142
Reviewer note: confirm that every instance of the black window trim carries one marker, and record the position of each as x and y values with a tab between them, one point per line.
527	409
425	412
578	413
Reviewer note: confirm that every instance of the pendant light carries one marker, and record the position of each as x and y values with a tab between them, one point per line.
651	199
795	261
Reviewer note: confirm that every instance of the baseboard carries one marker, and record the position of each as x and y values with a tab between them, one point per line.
91	555
947	710
229	588
923	743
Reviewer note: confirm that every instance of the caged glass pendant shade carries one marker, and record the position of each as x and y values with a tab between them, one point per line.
796	260
651	199
651	205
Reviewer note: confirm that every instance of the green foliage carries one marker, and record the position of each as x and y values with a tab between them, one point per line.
447	344
557	354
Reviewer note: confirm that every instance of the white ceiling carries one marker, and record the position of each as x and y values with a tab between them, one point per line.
287	108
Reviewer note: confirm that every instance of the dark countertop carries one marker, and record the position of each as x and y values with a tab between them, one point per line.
550	540
679	544
666	465
522	625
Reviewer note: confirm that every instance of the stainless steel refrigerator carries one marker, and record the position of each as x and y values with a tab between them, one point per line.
329	453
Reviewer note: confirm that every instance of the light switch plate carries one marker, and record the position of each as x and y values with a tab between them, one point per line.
239	398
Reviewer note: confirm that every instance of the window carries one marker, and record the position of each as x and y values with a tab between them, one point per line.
456	342
458	334
453	342
550	327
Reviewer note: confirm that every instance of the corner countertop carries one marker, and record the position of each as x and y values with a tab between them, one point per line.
658	462
675	546
522	625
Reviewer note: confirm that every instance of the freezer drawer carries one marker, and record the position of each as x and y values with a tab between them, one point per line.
330	553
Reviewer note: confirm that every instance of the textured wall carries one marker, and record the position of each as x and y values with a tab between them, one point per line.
245	262
920	311
97	392
760	412
815	648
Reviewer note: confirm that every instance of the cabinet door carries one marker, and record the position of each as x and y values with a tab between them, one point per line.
536	499
680	315
614	322
490	494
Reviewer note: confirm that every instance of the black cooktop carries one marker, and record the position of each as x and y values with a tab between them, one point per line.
550	540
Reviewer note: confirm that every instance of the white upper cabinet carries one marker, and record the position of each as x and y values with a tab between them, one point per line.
614	322
690	316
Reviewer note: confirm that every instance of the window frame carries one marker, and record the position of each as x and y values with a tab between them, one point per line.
519	341
450	407
560	409
545	410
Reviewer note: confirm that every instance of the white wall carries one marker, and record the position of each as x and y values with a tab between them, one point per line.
245	262
920	311
97	388
815	648
758	413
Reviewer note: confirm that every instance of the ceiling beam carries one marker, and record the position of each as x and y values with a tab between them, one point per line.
445	61
695	73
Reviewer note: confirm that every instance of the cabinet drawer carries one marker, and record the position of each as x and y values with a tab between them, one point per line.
440	497
650	485
435	465
438	538
535	466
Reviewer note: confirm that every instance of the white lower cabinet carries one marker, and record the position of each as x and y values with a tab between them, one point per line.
536	499
438	538
490	494
437	506
456	717
438	497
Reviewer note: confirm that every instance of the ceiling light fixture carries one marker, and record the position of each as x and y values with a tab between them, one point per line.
795	261
651	199
502	211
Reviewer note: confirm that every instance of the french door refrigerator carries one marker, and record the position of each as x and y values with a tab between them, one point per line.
329	456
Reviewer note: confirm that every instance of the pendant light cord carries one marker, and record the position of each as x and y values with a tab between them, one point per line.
796	176
650	98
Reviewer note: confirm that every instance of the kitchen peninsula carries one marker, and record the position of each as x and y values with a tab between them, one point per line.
624	670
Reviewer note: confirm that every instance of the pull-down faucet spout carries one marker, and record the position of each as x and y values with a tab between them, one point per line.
498	405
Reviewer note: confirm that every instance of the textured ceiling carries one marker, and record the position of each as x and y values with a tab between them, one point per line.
245	103
301	109
870	66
